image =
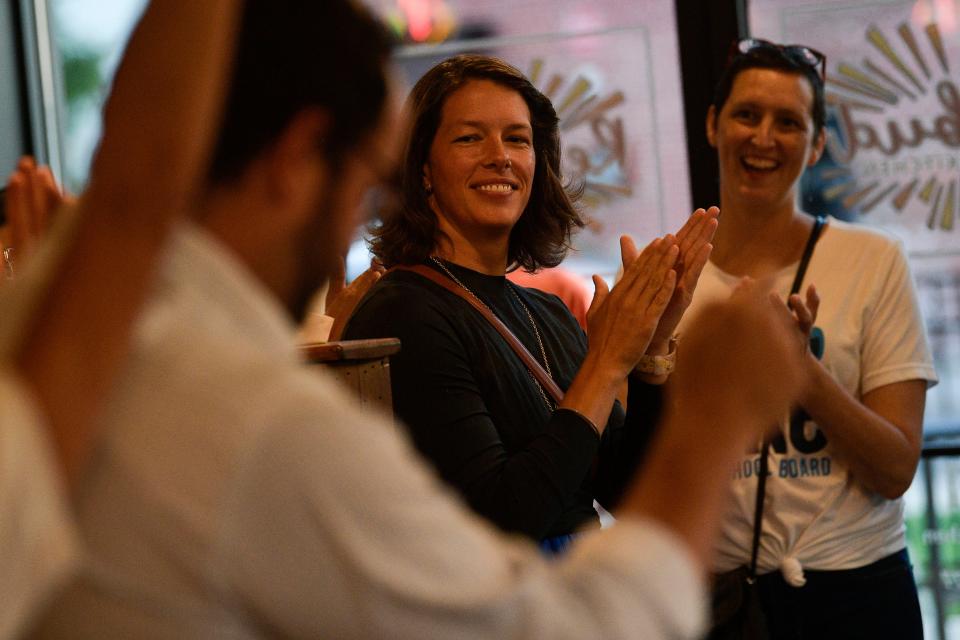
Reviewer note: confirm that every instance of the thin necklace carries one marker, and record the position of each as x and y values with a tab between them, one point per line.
536	332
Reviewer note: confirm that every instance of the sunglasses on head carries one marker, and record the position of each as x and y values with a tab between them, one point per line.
798	53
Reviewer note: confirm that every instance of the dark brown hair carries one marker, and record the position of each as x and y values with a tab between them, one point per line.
541	237
275	77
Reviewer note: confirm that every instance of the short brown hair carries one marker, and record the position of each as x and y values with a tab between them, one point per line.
778	58
541	237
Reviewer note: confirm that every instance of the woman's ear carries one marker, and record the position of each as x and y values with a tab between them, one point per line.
818	147
427	180
712	126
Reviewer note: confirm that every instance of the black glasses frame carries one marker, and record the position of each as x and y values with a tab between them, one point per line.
798	53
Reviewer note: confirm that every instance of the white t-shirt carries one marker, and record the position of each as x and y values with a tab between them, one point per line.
37	544
240	494
815	511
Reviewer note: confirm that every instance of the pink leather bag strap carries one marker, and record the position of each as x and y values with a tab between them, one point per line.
535	368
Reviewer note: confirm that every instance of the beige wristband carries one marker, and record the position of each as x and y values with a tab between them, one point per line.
659	365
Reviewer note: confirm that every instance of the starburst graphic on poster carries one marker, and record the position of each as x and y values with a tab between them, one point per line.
596	157
896	100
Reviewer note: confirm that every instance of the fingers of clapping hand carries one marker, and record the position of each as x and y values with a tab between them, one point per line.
46	199
788	314
661	277
805	310
367	279
693	265
802	313
18	212
694	241
343	303
32	199
813	302
644	276
40	196
337	281
600	292
647	286
661	297
796	317
698	228
628	251
622	321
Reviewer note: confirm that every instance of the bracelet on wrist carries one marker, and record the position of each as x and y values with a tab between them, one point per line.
659	365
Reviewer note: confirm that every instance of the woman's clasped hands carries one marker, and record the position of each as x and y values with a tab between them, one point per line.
640	315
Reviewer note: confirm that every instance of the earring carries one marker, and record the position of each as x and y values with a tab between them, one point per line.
428	188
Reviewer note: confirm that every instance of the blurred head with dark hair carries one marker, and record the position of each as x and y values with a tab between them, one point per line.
309	126
476	120
294	55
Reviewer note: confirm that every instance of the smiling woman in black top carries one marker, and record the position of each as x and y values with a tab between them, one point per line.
482	194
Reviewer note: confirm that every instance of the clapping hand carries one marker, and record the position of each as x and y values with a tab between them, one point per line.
31	200
342	298
693	240
622	322
805	313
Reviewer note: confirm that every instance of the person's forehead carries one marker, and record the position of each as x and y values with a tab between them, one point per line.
480	99
772	86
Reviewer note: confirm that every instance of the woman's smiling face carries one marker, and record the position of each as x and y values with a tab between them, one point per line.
481	162
764	136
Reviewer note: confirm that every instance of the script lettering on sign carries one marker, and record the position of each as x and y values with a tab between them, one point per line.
895	128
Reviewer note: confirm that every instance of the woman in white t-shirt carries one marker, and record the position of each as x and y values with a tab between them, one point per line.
832	558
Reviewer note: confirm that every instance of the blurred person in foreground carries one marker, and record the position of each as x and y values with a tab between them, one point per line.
66	319
832	552
236	492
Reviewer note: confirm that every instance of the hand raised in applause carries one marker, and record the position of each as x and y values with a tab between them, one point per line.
623	321
32	200
805	312
343	298
694	241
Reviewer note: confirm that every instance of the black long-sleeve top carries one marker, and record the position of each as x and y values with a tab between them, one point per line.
473	409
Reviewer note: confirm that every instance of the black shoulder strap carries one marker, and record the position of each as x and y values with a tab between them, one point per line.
765	449
818	225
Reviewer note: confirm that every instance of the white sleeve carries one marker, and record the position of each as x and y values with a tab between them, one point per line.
37	541
895	346
320	544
